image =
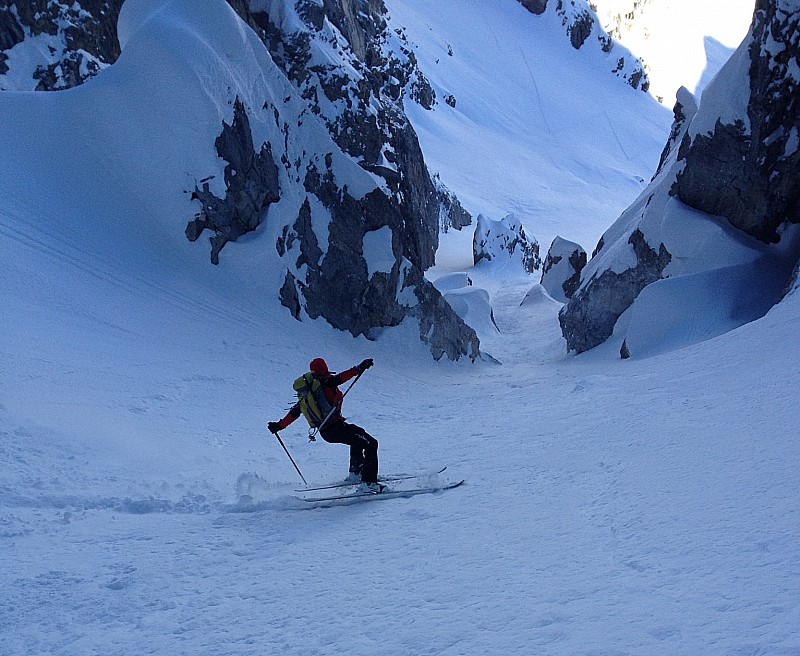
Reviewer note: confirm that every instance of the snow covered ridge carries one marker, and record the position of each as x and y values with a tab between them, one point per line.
324	203
196	112
583	28
710	244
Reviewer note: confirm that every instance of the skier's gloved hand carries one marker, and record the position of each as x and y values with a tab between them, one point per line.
274	427
364	365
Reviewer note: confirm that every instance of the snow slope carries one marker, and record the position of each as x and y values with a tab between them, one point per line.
645	507
539	130
611	507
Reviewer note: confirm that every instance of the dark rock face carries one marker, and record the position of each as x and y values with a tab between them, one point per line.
339	287
505	240
580	29
751	174
416	198
89	32
537	7
289	297
11	32
561	271
577	260
683	112
251	180
589	318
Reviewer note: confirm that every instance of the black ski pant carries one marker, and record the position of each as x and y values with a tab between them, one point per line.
363	448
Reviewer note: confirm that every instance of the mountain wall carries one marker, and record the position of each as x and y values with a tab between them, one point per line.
746	166
346	72
63	43
719	209
354	75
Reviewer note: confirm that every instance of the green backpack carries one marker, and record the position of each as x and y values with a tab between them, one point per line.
311	399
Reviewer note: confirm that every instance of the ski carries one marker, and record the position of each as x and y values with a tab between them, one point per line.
385	494
392	478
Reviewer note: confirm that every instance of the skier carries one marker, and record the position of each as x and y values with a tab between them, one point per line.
363	447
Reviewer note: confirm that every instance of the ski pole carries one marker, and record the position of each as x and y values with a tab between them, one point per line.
290	458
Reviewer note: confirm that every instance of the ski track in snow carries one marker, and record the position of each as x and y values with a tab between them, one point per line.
611	507
627	508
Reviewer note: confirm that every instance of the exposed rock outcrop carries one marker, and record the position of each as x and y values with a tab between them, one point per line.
746	167
251	180
537	7
505	241
598	306
738	159
81	40
580	27
561	271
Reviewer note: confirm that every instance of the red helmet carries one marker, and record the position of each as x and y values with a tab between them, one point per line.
319	366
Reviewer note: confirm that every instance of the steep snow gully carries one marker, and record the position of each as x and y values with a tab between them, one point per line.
612	507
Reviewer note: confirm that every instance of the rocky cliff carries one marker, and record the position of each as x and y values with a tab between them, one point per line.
355	74
728	186
506	241
746	166
561	270
65	43
359	238
359	95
